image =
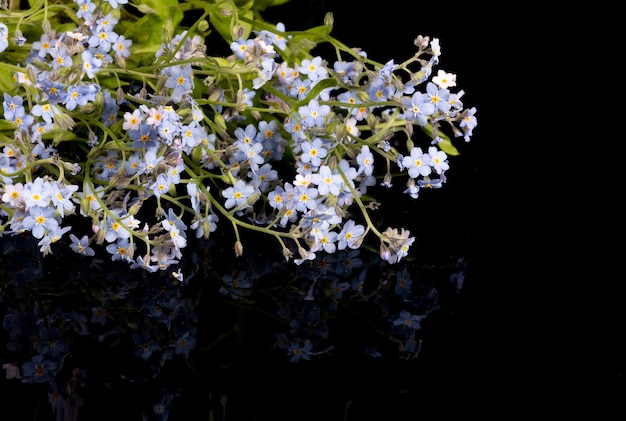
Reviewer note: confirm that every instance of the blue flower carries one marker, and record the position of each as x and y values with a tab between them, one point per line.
314	114
407	320
237	195
39	370
4	37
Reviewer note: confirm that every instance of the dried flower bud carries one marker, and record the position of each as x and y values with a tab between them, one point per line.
421	41
88	108
47	28
130	253
135	207
253	198
238	249
120	180
31	75
119	95
121	61
100	234
287	254
357	242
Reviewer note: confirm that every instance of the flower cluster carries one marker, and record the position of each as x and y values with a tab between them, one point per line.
122	137
112	138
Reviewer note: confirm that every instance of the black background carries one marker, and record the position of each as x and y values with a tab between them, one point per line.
539	326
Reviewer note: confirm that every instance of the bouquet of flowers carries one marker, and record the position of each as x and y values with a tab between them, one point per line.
113	109
122	135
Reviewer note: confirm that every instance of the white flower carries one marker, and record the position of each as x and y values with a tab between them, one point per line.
444	79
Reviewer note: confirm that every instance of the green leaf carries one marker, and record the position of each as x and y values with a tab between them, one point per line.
264	4
319	87
164	9
224	16
6	81
148	31
445	144
244	4
301	44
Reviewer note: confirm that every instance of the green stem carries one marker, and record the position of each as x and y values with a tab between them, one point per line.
358	201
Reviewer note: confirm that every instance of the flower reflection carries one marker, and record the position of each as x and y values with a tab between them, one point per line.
143	321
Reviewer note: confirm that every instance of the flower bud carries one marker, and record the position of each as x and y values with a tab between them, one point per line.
219	121
120	180
47	28
387	180
386	254
241	103
342	132
409	128
329	20
121	61
206	228
72	168
253	198
237	30
31	75
363	96
19	38
371	121
304	253
203	25
256	114
130	252
167	31
421	41
238	249
134	208
287	254
357	242
100	234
